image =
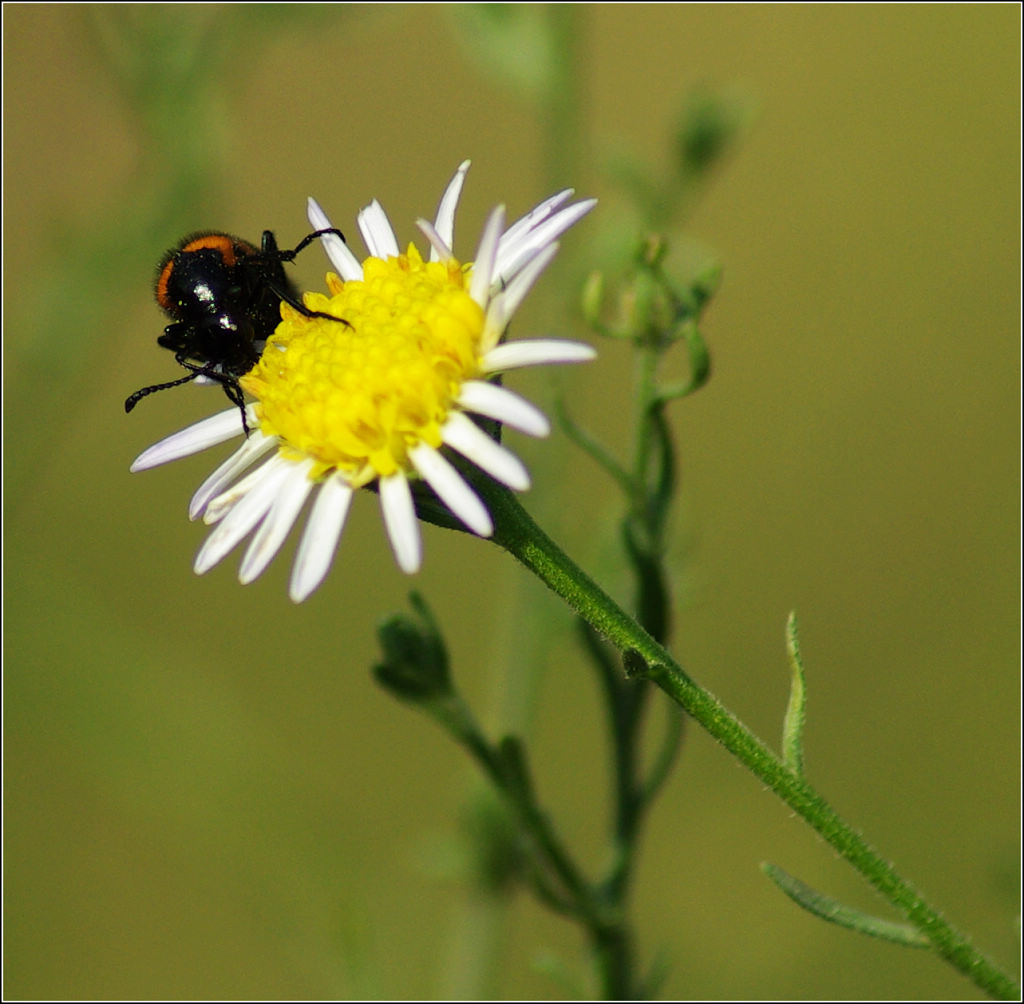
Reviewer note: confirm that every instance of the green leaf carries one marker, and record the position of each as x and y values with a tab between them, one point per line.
835	912
512	43
414	666
793	724
700	364
709	126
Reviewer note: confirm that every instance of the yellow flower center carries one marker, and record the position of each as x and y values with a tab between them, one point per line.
356	397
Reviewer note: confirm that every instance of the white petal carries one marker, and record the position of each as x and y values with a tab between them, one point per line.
483	265
344	261
514	255
444	222
534	352
562	220
250	451
439	251
452	489
517	288
270	536
320	540
400	521
209	432
504	302
535	216
377	231
220	505
474	444
502	405
242	518
318	219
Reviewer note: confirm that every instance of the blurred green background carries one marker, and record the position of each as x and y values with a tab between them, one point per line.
206	794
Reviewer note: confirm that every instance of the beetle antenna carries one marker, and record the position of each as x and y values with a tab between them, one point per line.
140	394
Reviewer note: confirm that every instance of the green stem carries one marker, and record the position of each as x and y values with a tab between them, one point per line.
612	942
614	959
452	712
516	531
645	383
594	908
561	102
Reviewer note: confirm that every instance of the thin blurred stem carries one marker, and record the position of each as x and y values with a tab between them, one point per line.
624	700
596	450
647	362
453	713
667	754
562	103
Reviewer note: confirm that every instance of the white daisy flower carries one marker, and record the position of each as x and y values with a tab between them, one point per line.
373	401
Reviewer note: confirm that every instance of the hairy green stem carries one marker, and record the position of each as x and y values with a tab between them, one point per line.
516	531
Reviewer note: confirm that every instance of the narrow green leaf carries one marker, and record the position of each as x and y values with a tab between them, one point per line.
700	364
588	444
700	357
666	757
793	724
845	916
